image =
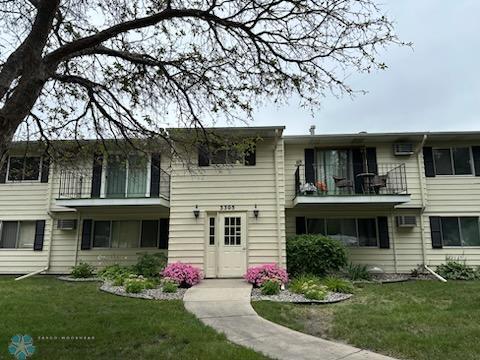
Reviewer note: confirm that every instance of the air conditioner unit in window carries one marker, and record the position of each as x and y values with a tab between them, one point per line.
406	221
66	224
402	149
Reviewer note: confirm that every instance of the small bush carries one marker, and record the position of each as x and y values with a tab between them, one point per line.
258	275
357	272
314	254
134	285
82	270
309	286
338	285
453	270
316	294
271	287
169	287
150	265
116	274
296	285
184	275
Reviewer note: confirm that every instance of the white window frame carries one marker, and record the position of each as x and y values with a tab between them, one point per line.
459	232
40	165
452	162
356	229
18	234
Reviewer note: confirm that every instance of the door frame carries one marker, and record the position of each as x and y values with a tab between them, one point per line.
218	238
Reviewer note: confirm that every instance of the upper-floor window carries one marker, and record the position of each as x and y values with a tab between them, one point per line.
24	168
453	161
225	155
17	234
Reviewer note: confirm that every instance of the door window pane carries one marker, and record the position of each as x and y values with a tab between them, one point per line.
461	161
232	234
333	164
101	234
9	234
443	161
137	176
450	232
367	232
470	231
316	226
149	233
116	176
211	234
27	234
125	234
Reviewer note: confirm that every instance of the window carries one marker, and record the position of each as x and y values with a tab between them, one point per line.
225	154
24	168
17	234
333	164
460	231
126	177
233	231
211	229
351	232
452	161
126	234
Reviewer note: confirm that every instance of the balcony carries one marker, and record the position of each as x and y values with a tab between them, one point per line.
387	184
80	188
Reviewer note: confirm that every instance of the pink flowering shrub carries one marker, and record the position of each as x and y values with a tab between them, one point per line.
185	275
257	275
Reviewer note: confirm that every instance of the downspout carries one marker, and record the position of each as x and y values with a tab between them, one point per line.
50	238
277	201
394	246
422	198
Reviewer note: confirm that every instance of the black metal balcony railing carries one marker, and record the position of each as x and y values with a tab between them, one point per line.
77	184
387	179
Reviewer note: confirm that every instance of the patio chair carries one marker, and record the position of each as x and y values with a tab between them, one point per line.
378	182
342	183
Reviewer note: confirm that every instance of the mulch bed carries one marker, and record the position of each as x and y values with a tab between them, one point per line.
150	294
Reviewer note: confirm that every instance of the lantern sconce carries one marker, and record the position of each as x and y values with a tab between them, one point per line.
196	212
256	212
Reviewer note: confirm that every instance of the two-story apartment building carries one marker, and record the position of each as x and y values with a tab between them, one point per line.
396	200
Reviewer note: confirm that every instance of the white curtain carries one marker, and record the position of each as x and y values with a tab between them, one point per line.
137	176
332	163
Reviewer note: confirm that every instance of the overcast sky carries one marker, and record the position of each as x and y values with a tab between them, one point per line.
434	86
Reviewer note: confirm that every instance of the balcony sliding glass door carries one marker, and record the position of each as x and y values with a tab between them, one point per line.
334	165
126	177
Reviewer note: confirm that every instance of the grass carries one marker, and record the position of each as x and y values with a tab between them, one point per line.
124	328
413	320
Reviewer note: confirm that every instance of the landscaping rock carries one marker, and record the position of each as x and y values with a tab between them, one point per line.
72	279
150	294
287	296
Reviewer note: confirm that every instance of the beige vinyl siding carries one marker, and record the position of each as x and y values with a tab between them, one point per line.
24	201
238	185
404	253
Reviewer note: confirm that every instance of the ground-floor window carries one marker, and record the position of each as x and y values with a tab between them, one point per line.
126	234
460	231
17	234
351	232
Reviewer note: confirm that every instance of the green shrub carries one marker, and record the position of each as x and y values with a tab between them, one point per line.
270	287
82	270
134	285
453	270
297	284
357	272
314	254
150	265
316	294
116	273
169	287
338	285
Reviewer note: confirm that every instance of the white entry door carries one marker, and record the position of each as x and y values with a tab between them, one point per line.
232	245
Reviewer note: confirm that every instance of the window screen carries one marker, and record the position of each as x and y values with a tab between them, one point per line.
125	234
101	234
9	234
149	233
443	161
26	235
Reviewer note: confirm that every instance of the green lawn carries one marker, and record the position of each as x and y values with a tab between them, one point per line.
414	320
123	328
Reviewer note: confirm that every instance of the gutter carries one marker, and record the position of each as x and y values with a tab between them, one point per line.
277	202
423	197
50	237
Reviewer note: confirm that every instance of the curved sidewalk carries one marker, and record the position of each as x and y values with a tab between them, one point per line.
224	304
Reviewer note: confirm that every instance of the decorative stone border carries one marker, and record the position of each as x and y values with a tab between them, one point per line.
71	279
386	279
290	297
149	294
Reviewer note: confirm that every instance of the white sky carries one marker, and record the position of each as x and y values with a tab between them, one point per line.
434	86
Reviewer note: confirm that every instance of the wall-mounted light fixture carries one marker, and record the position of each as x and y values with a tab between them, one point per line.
256	211
196	212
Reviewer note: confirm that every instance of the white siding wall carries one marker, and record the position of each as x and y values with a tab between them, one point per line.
238	185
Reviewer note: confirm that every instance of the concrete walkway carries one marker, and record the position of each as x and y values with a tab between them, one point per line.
225	306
